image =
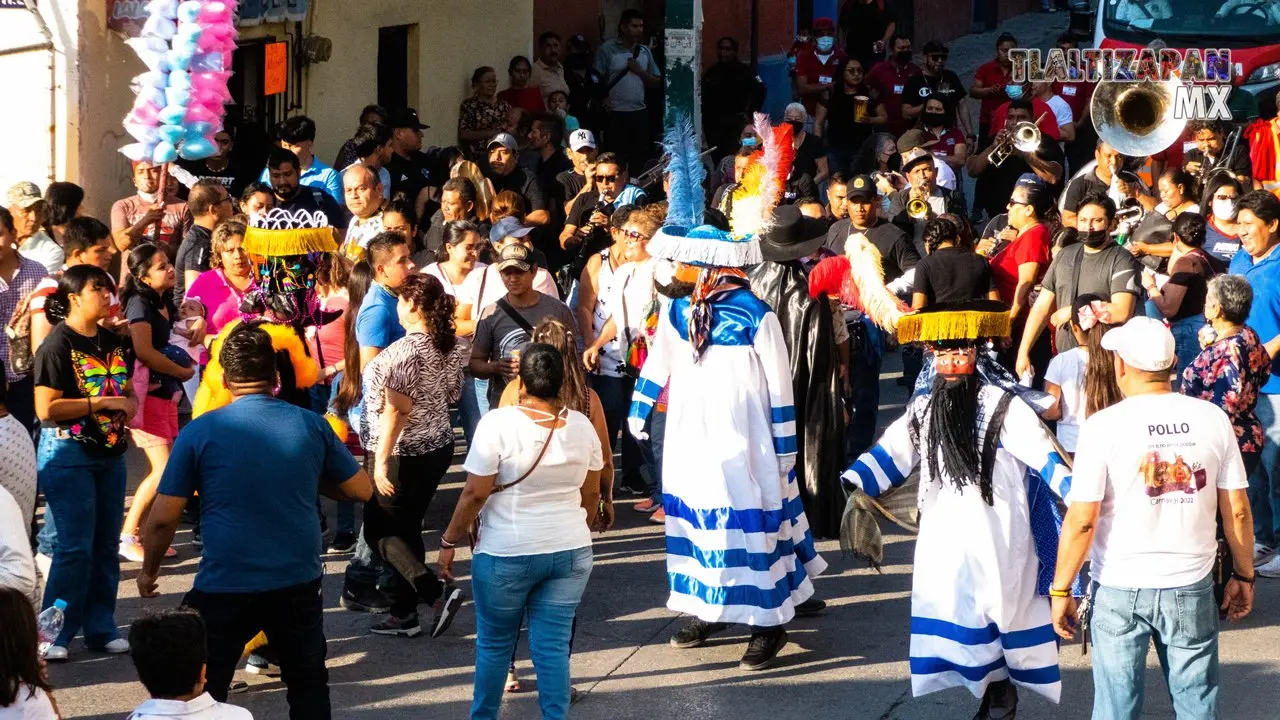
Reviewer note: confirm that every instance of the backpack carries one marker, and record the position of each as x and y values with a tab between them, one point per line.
21	358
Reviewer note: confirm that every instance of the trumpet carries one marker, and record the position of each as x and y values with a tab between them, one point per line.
917	209
1024	137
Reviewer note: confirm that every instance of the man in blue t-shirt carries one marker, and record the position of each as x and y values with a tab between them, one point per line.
258	465
377	326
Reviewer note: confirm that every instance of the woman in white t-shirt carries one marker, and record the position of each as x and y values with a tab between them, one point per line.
25	692
534	482
1082	380
457	262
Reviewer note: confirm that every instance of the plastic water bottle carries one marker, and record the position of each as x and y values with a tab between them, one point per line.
49	624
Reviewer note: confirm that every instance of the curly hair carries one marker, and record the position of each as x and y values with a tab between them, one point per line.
223	234
574	392
428	297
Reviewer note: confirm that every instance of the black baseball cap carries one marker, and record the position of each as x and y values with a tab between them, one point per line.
933	47
407	118
861	187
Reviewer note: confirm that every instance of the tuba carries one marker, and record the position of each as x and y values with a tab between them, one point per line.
1136	118
1025	137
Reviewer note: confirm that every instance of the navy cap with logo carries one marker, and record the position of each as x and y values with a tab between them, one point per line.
407	118
861	187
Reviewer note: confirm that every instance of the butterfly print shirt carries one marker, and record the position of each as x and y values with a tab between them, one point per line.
84	367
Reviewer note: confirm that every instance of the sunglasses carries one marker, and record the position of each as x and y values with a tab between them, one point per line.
606	178
635	236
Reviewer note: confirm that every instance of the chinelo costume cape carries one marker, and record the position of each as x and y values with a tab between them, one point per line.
739	548
989	475
807	328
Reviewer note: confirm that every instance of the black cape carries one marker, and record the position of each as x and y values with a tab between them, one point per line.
810	337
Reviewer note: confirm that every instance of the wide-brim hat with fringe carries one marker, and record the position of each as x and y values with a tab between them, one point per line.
956	324
704	246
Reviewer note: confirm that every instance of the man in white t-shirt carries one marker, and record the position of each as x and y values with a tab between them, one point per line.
1061	110
1151	475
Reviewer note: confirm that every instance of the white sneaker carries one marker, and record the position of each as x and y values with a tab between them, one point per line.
55	653
119	646
1262	553
131	549
1269	569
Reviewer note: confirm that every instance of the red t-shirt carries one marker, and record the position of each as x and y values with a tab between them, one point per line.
1040	109
889	80
810	67
528	98
947	142
992	74
1032	246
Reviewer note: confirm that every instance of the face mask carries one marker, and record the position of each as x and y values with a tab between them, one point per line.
1224	209
825	44
1095	239
749	142
934	119
1013	91
903	57
796	125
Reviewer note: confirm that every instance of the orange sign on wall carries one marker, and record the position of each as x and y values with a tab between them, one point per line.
276	69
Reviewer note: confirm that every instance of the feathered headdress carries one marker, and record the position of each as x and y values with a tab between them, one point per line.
761	187
684	238
857	278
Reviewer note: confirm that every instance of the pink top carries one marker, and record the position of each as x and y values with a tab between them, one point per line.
331	337
221	301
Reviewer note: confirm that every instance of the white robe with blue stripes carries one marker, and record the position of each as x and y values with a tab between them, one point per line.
738	543
976	614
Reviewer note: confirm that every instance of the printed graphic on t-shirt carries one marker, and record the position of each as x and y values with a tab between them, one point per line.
1165	470
97	378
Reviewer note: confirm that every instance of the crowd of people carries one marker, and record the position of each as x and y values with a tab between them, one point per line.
505	287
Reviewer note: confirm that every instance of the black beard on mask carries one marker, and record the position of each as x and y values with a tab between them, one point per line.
675	289
954	449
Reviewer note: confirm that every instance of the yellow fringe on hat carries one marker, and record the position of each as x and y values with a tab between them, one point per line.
283	243
957	325
213	393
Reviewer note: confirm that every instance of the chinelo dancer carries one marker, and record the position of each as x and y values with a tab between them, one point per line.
990	473
739	548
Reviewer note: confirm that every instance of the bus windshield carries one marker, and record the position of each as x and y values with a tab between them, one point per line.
1193	23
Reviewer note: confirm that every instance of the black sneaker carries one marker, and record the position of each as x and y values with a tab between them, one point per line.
446	609
400	627
260	665
763	649
343	542
366	601
695	633
197	540
812	606
999	702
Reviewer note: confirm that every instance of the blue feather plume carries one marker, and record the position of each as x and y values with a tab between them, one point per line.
686	199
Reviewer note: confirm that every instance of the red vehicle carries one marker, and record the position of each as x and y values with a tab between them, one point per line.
1249	28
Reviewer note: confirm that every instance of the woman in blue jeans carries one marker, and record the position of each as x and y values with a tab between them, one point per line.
84	401
534	482
1180	300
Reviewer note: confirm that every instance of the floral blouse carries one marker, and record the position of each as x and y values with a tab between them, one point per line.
476	114
1229	373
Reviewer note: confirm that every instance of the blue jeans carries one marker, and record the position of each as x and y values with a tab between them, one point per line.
615	399
1183	622
548	587
321	393
86	495
1264	481
467	416
481	391
1186	341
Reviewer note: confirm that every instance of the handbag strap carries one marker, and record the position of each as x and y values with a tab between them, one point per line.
516	317
536	461
626	324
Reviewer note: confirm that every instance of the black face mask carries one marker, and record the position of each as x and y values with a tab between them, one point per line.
934	119
796	125
1095	239
903	57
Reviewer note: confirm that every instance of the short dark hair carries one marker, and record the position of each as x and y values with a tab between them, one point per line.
280	156
837	178
516	60
204	196
463	186
83	233
628	15
378	110
548	35
1022	103
542	371
297	130
62	200
622	215
1234	295
254	188
898	36
370	137
1006	37
729	39
6	219
1217	127
247	355
1262	204
552	126
611	158
1189	227
73	282
381	244
169	649
479	73
1101	200
19	663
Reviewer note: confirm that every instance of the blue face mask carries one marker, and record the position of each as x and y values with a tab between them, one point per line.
749	142
1013	91
826	43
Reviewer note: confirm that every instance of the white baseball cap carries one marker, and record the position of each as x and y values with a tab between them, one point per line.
580	139
1142	343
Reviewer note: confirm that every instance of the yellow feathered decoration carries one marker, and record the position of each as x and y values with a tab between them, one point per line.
746	217
213	392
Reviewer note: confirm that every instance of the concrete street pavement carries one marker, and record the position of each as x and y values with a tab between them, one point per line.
850	663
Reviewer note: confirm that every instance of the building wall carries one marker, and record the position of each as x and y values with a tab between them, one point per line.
454	38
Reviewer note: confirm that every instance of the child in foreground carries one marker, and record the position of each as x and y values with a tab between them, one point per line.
169	652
